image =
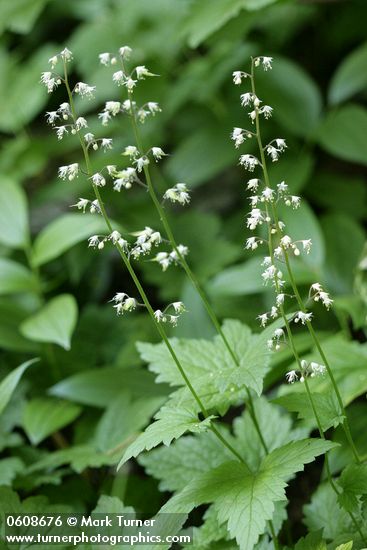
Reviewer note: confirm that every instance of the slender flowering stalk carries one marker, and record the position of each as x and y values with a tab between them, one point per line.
122	301
178	193
268	214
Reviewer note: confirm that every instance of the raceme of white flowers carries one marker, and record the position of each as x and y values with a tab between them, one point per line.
65	122
264	200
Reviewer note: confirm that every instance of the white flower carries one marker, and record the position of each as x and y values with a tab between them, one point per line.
142	72
125	52
60	131
89	138
173	320
53	61
49	81
141	162
317	369
81	123
280	299
286	241
291	376
246	99
249	162
282	187
131	151
153	107
81	204
125	178
69	172
266	62
106	143
158	153
113	107
263	318
98	179
52	116
93	241
253	184
66	54
178	193
65	110
118	77
274	312
115	236
237	136
303	317
278	333
251	243
272	152
316	287
237	76
255	218
281	144
268	194
269	273
307	245
84	90
127	105
126	304
94	207
159	316
179	307
105	58
266	110
163	259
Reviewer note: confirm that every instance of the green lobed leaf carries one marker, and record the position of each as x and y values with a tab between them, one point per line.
312	540
353	481
63	233
169	424
10	382
44	416
54	322
350	77
79	457
343	132
14	231
9	469
246	499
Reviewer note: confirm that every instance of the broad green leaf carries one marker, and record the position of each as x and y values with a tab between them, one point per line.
345	239
169	424
9	468
54	323
63	233
42	417
343	132
14	230
15	277
111	505
327	407
243	498
324	512
245	278
207	16
10	382
293	94
350	77
99	387
79	457
123	419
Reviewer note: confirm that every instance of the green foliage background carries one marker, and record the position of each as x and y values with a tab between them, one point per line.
67	418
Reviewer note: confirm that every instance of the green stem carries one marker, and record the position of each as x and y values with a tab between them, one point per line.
190	274
310	328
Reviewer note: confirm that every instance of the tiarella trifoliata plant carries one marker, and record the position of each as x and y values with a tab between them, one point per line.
244	483
279	248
